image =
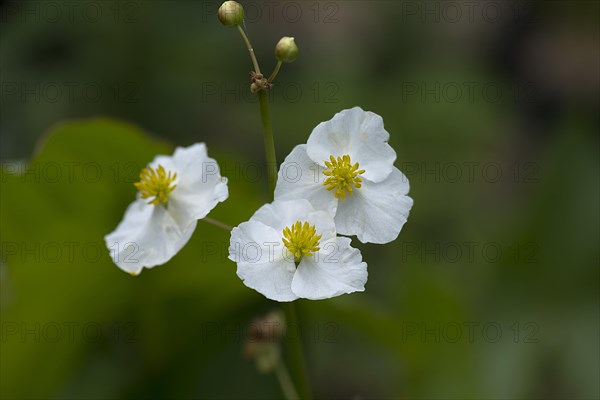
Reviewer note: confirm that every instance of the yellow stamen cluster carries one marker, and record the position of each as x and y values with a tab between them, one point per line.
301	240
156	183
342	176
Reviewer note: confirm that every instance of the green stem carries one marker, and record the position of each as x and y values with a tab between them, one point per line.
287	386
275	71
250	49
218	224
271	158
297	364
298	368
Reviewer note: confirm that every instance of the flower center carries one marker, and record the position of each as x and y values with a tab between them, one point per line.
157	183
301	240
342	176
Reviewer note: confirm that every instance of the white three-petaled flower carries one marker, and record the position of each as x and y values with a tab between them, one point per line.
289	250
347	168
174	192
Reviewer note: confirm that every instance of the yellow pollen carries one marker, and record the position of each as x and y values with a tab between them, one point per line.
301	240
342	176
157	183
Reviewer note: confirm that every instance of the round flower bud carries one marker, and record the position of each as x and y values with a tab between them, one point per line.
231	13
286	50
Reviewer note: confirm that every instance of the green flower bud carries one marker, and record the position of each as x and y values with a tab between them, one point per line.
231	13
286	50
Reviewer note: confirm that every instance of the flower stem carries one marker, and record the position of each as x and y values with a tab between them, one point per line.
250	49
297	364
298	368
218	224
266	118
287	386
271	158
275	71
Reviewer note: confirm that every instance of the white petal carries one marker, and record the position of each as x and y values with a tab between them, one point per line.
301	178
189	204
146	237
338	269
166	161
258	251
181	158
185	156
359	134
200	186
376	212
281	214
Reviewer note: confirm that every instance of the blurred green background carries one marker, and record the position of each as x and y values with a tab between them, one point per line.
492	289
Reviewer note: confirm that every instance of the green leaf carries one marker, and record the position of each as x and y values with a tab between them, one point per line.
71	319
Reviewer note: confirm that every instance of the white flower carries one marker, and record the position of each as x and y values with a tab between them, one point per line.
289	250
347	168
174	192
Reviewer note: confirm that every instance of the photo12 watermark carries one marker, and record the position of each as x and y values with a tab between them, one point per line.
470	332
69	92
275	12
68	332
53	252
467	12
71	12
470	252
468	92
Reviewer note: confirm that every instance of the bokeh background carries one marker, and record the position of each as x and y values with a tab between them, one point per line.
491	290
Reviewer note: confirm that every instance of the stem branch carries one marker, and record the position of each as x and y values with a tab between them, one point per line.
250	49
287	386
275	71
218	224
